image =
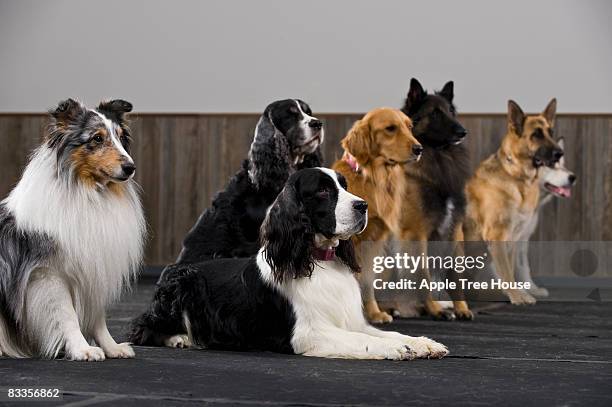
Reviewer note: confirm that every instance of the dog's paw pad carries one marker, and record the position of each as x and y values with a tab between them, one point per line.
88	353
178	341
121	351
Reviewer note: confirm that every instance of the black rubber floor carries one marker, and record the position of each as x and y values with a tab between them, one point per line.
553	353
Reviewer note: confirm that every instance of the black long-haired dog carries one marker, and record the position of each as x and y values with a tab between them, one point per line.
297	295
434	205
287	138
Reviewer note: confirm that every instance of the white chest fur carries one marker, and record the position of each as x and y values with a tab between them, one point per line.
99	235
329	298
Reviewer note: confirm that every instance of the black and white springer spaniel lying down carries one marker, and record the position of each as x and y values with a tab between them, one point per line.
297	295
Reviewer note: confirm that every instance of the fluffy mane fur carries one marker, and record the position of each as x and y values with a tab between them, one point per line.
90	237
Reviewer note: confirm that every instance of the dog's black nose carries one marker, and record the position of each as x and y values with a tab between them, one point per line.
417	149
360	206
128	169
461	132
315	124
572	178
557	154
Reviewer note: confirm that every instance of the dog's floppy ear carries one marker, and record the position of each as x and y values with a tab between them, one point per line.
416	94
346	253
287	237
358	141
516	117
447	91
67	111
550	112
115	109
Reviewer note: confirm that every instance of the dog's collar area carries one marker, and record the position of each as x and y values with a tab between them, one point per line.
351	161
324	253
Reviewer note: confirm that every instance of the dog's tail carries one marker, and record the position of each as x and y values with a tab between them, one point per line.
164	318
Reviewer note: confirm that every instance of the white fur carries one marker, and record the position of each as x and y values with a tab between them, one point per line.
304	124
330	322
99	237
448	217
344	213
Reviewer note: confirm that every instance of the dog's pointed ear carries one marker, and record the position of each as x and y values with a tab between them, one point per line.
415	95
115	109
346	253
287	237
447	91
516	117
550	112
67	111
358	141
561	143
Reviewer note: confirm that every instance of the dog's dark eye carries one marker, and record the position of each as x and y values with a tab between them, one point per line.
538	134
391	128
98	139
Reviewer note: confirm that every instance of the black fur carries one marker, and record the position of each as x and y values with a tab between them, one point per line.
444	165
230	227
228	303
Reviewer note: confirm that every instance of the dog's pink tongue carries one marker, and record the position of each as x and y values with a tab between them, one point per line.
563	191
566	192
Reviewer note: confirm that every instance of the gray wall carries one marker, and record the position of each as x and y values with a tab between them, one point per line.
341	56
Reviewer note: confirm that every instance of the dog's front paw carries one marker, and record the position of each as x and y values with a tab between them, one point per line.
444	315
464	314
379	317
426	348
177	341
538	292
520	297
391	349
120	351
86	353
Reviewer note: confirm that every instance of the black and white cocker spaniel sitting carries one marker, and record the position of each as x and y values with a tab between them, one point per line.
287	138
297	295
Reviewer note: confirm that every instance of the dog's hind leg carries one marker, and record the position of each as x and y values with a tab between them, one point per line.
111	348
51	320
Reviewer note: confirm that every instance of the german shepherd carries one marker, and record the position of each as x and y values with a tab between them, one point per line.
556	181
433	206
504	193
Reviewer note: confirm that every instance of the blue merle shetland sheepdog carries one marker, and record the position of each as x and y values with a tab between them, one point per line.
71	237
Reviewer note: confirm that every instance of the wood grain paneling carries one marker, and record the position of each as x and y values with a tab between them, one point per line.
183	160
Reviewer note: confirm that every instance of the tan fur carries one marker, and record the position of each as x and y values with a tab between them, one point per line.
95	166
504	191
381	143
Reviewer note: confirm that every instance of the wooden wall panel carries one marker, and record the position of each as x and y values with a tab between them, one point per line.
183	160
